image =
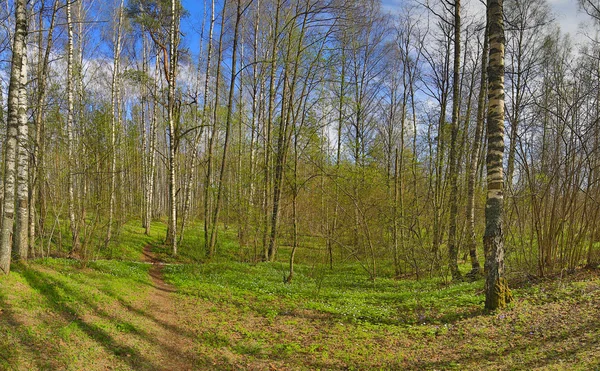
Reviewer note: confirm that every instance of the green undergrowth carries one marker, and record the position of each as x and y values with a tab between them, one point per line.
343	292
126	243
129	242
191	247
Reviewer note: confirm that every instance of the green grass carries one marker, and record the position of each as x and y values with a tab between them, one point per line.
57	314
343	292
191	249
339	319
99	314
129	238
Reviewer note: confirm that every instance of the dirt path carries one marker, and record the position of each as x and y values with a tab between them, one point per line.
168	319
156	272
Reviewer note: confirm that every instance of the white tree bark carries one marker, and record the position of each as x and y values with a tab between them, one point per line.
14	89
497	293
172	232
152	154
21	242
70	138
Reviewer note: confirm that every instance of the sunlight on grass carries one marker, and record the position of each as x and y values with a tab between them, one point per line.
69	314
343	292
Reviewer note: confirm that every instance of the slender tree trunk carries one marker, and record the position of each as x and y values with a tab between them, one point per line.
115	121
12	127
81	192
211	143
21	242
70	138
280	158
452	248
257	80
152	153
497	293
338	158
172	75
38	190
145	135
267	134
284	137
474	163
215	218
516	114
294	212
193	150
202	121
439	194
397	200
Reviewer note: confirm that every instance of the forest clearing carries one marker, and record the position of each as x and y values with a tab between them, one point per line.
120	315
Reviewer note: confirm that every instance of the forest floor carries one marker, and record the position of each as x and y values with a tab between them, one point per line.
60	314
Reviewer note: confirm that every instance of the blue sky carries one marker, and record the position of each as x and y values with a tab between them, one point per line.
566	13
191	25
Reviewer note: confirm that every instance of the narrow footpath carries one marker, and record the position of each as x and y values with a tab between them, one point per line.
176	350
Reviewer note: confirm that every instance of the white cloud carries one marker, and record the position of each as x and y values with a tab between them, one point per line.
567	14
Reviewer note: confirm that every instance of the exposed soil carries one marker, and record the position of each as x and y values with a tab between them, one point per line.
178	354
156	273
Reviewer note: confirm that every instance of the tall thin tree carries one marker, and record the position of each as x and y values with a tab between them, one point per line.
11	145
452	248
70	129
115	121
497	293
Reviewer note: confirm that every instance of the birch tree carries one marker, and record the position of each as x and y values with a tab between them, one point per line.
497	293
37	171
15	113
70	128
21	242
228	123
161	19
172	79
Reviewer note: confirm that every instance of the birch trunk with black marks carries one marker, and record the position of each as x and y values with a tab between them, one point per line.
173	45
12	127
70	138
497	293
152	152
21	237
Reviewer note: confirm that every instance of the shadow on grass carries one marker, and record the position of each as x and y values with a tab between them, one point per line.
140	312
64	301
9	351
526	351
